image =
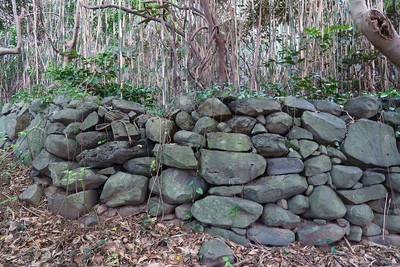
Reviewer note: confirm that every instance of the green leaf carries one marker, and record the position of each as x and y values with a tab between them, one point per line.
199	191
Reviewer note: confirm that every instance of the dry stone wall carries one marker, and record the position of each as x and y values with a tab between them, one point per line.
250	170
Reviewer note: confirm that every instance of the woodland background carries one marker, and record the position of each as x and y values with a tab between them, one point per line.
167	48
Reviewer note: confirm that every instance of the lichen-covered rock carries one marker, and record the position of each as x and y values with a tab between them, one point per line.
205	125
270	145
270	236
214	108
317	235
254	107
279	123
84	108
124	189
213	251
158	207
190	139
185	121
274	216
298	204
81	179
160	130
325	204
272	188
177	156
242	124
227	234
124	131
370	143
227	168
362	107
326	128
299	133
62	147
226	211
229	142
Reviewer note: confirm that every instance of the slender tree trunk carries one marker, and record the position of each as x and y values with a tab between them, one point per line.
17	20
377	28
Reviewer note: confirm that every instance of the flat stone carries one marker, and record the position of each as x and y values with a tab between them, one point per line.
296	106
279	166
227	234
234	142
242	124
371	178
274	216
299	133
270	145
254	107
270	236
345	176
317	165
205	125
328	107
190	139
126	106
160	130
390	222
363	195
32	194
62	147
145	166
307	148
317	235
124	131
213	251
89	140
177	156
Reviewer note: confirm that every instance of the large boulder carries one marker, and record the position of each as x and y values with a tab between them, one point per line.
270	145
317	235
178	186
214	108
326	128
270	236
219	167
62	147
270	189
177	156
124	189
116	152
362	107
370	143
229	142
254	107
226	211
325	204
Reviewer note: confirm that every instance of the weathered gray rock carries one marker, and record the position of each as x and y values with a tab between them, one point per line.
73	129
363	195
307	148
382	206
42	161
32	194
124	131
274	216
160	130
279	166
391	117
124	189
258	129
145	166
65	116
16	123
360	215
31	142
345	176
325	204
326	128
270	236
318	179
178	156
371	229
115	115
317	235
205	125
279	123
3	130
317	165
377	147
84	108
116	152
90	122
214	108
254	107
393	181
178	186
371	178
81	179
226	191
89	140
127	106
62	147
219	168
270	145
157	207
296	106
328	107
184	103
227	234
226	211
54	128
298	204
299	133
355	234
72	206
190	139
183	211
336	153
390	222
229	142
242	124
59	169
212	252
272	188
362	107
185	121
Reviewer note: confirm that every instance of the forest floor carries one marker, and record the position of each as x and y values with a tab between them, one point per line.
32	236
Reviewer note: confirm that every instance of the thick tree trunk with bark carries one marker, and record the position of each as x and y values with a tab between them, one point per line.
377	28
17	20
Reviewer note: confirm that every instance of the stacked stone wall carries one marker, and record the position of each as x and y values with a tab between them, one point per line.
252	170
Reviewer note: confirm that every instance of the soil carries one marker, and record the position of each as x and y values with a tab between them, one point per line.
33	236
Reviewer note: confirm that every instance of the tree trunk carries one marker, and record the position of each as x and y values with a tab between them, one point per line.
377	28
17	20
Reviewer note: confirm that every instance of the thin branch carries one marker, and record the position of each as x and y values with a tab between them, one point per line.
17	19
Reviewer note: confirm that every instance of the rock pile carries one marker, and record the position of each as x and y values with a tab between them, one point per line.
253	170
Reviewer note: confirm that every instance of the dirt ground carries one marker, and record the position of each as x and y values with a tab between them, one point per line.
32	236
